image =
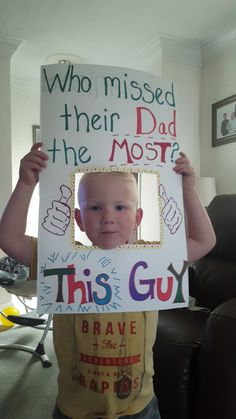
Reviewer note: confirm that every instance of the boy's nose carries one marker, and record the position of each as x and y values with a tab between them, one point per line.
107	217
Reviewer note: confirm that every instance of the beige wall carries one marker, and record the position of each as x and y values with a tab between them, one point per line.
5	137
188	81
25	100
25	103
7	48
218	82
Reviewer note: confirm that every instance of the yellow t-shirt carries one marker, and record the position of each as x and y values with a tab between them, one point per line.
105	361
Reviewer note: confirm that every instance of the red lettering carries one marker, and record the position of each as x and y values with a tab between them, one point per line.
162	129
85	326
151	117
93	385
133	328
149	146
96	328
121	328
164	296
105	386
107	344
172	125
163	147
146	123
73	286
139	151
123	144
109	329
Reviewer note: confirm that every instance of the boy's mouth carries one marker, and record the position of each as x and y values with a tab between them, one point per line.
108	232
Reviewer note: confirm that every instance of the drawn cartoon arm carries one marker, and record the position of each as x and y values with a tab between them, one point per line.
58	216
171	214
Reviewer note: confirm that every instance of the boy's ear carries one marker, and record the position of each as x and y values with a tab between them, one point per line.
78	219
139	216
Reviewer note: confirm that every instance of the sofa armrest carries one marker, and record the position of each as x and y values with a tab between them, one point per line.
212	281
179	335
216	367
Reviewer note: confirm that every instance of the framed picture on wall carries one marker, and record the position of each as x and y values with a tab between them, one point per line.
36	133
224	121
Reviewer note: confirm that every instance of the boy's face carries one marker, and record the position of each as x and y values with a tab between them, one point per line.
108	210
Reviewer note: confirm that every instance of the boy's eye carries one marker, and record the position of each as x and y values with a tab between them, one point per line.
119	207
95	208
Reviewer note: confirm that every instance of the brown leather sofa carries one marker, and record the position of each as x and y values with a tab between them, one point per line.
195	350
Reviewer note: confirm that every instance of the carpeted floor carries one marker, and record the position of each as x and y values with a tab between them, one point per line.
28	390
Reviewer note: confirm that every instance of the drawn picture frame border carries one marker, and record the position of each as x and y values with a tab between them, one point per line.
218	109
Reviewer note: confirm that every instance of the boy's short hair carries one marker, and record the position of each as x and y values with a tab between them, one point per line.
127	176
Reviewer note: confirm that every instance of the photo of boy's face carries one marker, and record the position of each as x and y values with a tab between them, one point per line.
108	208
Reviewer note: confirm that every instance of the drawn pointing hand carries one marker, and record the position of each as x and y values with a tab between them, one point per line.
171	214
58	216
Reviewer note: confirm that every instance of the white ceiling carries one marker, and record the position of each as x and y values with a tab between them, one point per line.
111	32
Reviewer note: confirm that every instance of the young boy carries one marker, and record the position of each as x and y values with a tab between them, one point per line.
105	360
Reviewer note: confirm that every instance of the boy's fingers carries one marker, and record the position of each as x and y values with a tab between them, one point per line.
36	153
183	169
182	160
36	146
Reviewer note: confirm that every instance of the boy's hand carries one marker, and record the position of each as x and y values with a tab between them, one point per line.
33	163
183	167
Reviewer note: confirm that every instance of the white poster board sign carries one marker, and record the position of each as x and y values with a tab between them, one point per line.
98	118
